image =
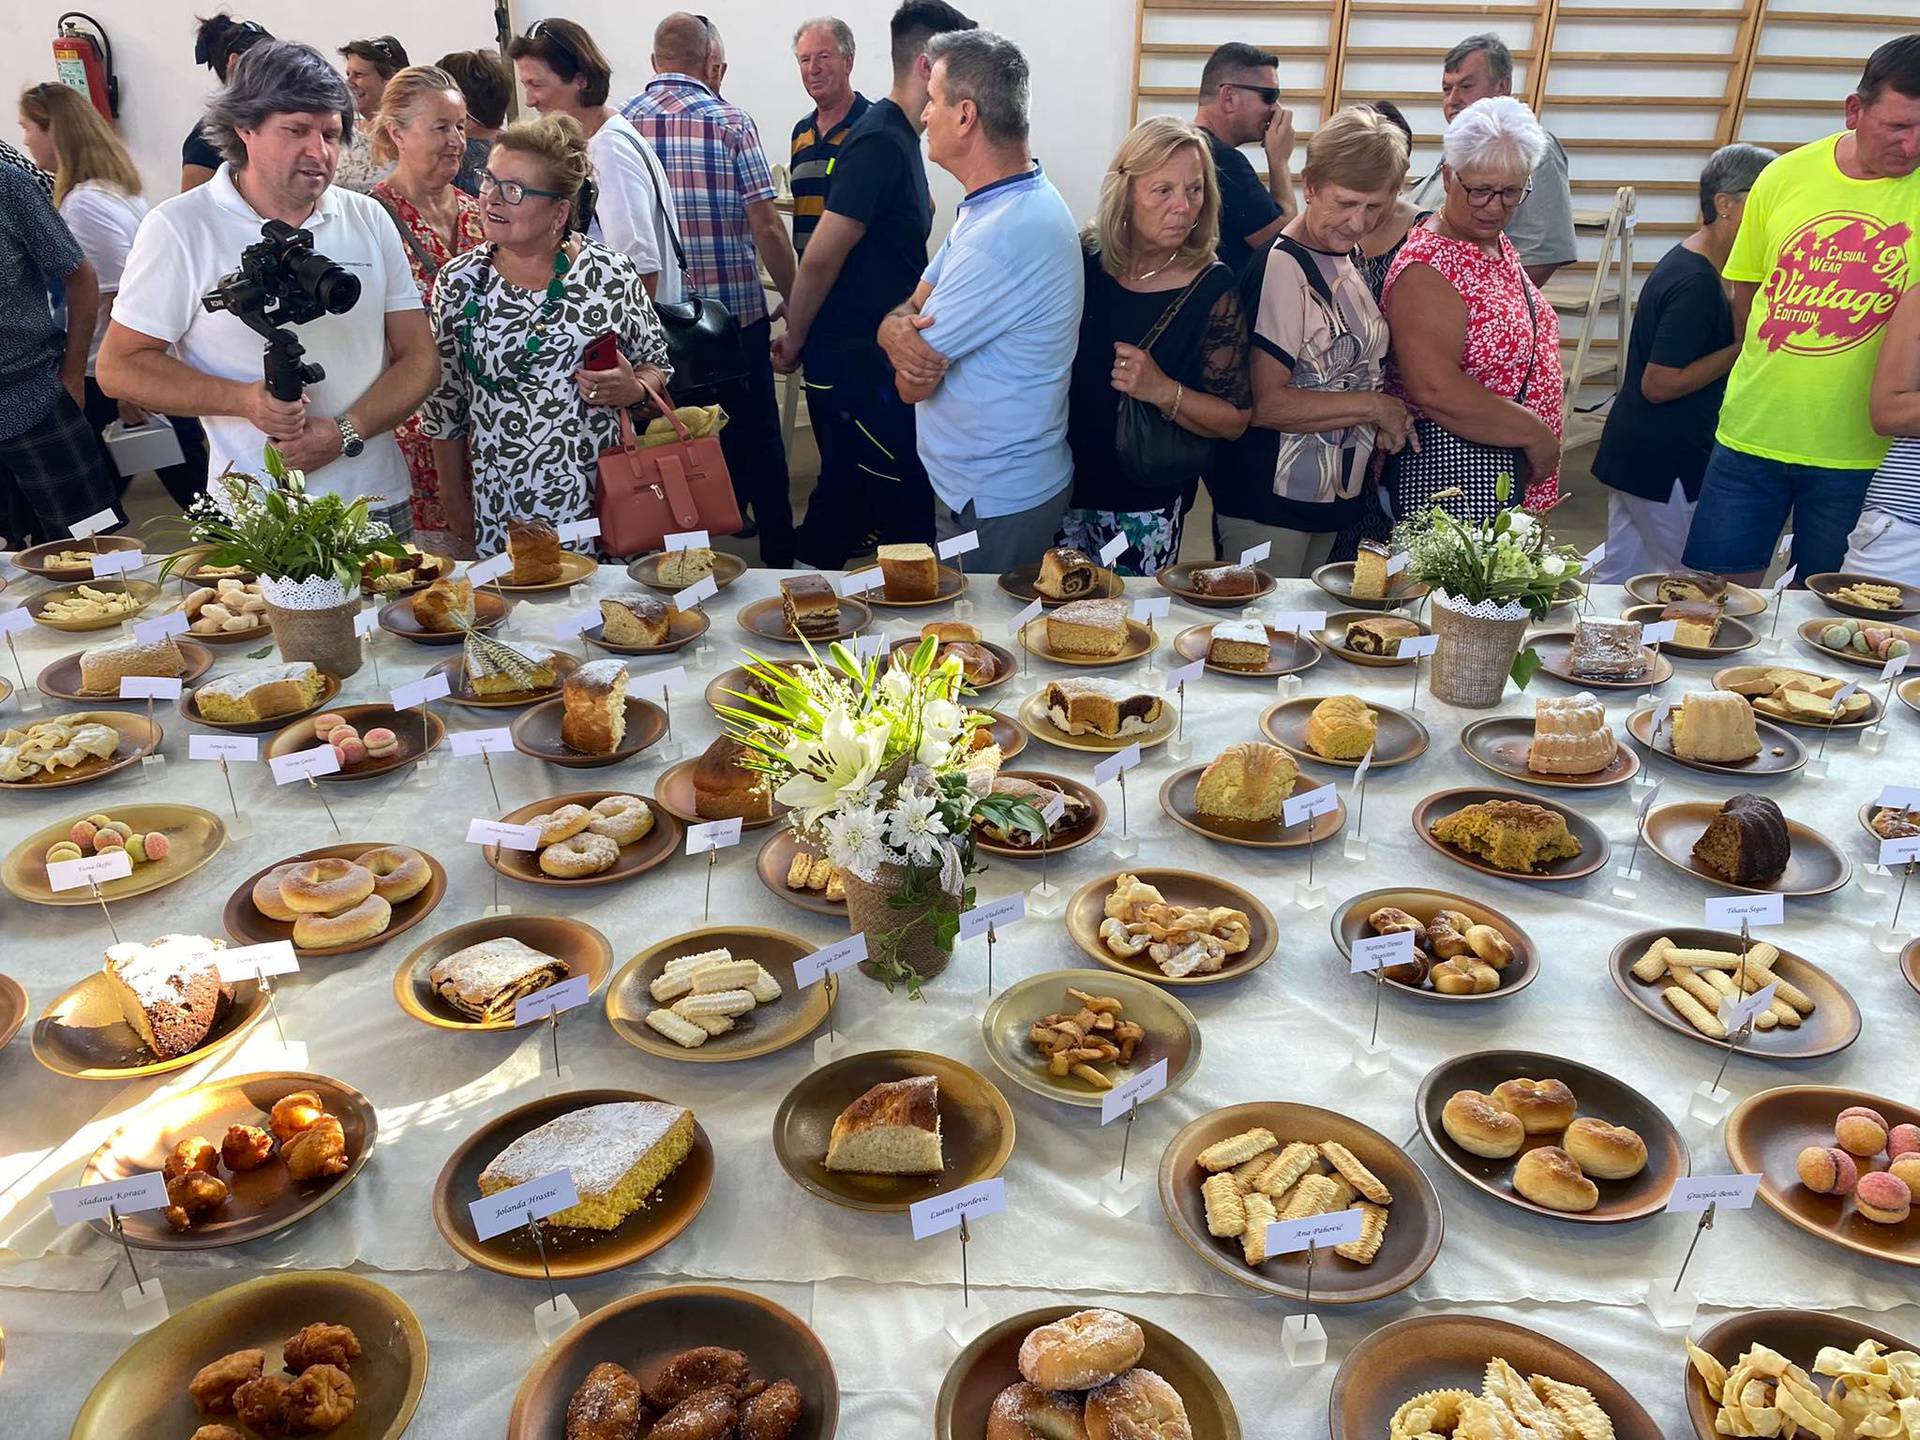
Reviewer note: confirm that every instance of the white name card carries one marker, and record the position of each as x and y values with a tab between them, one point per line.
365	622
1054	811
93	524
1694	1193
958	545
713	835
130	1196
1415	646
1123	1097
1298	621
1377	952
1841	696
1899	797
149	687
869	647
1652	795
858	582
1297	808
117	562
499	832
1189	671
1020	621
1290	1237
1004	911
223	747
538	1198
1116	765
1149	608
1727	911
1661	711
1594	556
1366	764
573	530
1786	544
687	540
1744	1011
943	1212
1786	578
304	765
152	632
421	691
554	1000
1895	666
705	588
655	684
1656	632
482	572
1254	554
481	742
830	960
250	962
1397	561
114	864
1899	852
1113	549
13	621
568	626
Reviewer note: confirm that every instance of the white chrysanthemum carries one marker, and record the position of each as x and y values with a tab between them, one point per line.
915	827
1553	566
854	840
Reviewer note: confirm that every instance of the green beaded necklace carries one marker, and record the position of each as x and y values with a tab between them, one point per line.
516	368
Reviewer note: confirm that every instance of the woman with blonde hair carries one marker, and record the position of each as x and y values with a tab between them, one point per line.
97	190
420	131
1161	370
518	423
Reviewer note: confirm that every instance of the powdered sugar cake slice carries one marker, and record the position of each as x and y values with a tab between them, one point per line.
618	1153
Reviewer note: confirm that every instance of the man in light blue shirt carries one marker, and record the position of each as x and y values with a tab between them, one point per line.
984	347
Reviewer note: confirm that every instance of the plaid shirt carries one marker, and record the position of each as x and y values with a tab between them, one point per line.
716	168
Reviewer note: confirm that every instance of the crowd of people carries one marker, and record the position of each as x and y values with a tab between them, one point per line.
1319	360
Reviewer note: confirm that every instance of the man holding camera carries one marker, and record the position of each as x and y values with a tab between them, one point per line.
279	122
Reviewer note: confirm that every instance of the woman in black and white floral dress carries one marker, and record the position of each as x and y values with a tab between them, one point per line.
518	425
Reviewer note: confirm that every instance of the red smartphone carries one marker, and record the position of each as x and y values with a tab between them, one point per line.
601	354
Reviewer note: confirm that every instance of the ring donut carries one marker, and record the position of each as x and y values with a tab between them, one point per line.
266	896
398	873
578	855
325	887
346	927
562	824
623	819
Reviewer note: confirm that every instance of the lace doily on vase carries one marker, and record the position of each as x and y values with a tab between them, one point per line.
323	592
1481	609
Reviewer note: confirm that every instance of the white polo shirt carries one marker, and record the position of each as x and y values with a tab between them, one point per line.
183	248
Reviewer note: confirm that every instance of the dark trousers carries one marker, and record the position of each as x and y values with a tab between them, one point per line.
185	481
751	443
872	488
52	474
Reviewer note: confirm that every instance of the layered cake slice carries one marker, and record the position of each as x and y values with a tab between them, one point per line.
893	1129
169	991
811	607
1696	622
1607	650
618	1153
484	981
1102	707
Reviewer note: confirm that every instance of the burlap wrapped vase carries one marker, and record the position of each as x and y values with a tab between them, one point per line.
312	620
903	934
1476	649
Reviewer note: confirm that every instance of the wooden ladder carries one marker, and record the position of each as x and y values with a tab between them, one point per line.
1611	288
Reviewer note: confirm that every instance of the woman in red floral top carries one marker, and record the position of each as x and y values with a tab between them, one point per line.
1476	348
421	130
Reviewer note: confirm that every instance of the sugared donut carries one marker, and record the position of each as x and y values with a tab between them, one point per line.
325	887
623	819
1082	1350
1026	1412
398	873
266	895
578	855
344	927
561	824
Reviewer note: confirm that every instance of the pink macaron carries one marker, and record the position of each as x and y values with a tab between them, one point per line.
381	742
326	722
1860	1131
351	750
1907	1170
1827	1171
1903	1140
1883	1198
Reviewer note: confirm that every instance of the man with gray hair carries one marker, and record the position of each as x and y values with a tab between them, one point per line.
823	49
1542	228
984	346
279	123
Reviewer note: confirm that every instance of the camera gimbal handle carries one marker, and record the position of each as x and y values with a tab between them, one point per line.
286	376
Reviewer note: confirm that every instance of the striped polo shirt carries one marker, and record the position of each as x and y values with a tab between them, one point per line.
812	166
1895	487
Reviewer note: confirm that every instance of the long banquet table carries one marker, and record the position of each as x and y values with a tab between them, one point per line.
876	1297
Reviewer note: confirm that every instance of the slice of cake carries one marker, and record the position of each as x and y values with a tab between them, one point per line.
1696	622
104	666
496	668
1508	834
811	607
259	692
593	719
1248	781
1370	571
1380	635
1240	642
1088	627
1066	575
445	606
1106	708
636	618
893	1129
1747	843
534	547
1227	580
169	992
1607	650
1571	737
909	572
1690	585
724	787
680	568
1715	725
483	981
618	1153
1342	727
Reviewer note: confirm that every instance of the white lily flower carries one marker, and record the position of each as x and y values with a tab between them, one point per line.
844	759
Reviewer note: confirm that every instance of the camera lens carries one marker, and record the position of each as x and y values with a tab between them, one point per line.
332	288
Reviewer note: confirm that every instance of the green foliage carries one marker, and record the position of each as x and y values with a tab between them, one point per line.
1509	558
1524	665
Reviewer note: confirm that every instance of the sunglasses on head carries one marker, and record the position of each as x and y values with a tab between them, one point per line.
544	30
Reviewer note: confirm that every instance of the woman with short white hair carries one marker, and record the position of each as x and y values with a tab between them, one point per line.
1475	346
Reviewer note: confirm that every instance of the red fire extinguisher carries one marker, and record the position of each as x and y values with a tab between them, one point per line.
83	58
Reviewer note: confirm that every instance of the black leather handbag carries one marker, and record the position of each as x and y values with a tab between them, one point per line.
1157	453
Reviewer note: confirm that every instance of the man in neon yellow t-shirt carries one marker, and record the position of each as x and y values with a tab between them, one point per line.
1828	242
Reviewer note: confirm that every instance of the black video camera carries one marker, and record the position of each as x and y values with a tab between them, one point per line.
282	281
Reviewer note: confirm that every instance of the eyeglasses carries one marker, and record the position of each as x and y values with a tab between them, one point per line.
512	191
1509	195
1269	94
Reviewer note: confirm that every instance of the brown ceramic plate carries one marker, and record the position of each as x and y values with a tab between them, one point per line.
1415	1225
1810	631
584	948
442	567
726	569
1172	1034
1599	1094
248	926
683	629
571	1251
976	1129
656	847
417	739
13	1008
1178	580
1816	866
34	558
1825	584
1740	601
461	693
190	709
1909	692
673	790
1910	964
1289	652
642	1332
1019	583
1450	1352
1178	794
952	583
1800	1335
83	1036
761	1031
1831	1028
1011	738
1333	637
991	1362
1555	649
191	577
1005	666
536	732
1732	675
1732	637
1337	580
728	687
574	567
1501	743
773	863
61	679
143	591
767	619
1781	752
150	1379
139	737
260	1201
194	837
1069	836
1139	643
1594	849
490	611
1350	924
1398	737
1765	1135
1033	715
1183	888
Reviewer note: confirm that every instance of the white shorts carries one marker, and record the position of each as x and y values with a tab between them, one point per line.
1885	546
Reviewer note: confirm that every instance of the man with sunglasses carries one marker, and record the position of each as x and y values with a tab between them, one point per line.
1239	104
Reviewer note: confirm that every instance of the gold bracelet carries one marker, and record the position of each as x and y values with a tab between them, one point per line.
1179	395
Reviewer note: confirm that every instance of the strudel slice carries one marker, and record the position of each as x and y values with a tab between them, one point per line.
483	981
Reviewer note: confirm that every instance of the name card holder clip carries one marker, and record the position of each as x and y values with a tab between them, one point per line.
26	698
559	1314
1119	1194
961	1321
1674	1308
144	1301
1047	899
1888	937
1354	844
1709	1103
1303	1340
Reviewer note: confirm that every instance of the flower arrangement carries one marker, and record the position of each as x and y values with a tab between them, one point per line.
884	765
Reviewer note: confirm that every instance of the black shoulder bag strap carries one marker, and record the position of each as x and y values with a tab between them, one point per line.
428	264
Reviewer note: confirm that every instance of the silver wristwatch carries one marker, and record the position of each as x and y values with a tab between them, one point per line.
350	442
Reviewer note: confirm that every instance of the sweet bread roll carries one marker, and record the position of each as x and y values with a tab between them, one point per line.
1082	1350
1139	1405
952	630
266	896
1607	1152
398	873
1550	1176
370	917
325	887
1543	1106
1476	1124
1464	975
1026	1412
1490	945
